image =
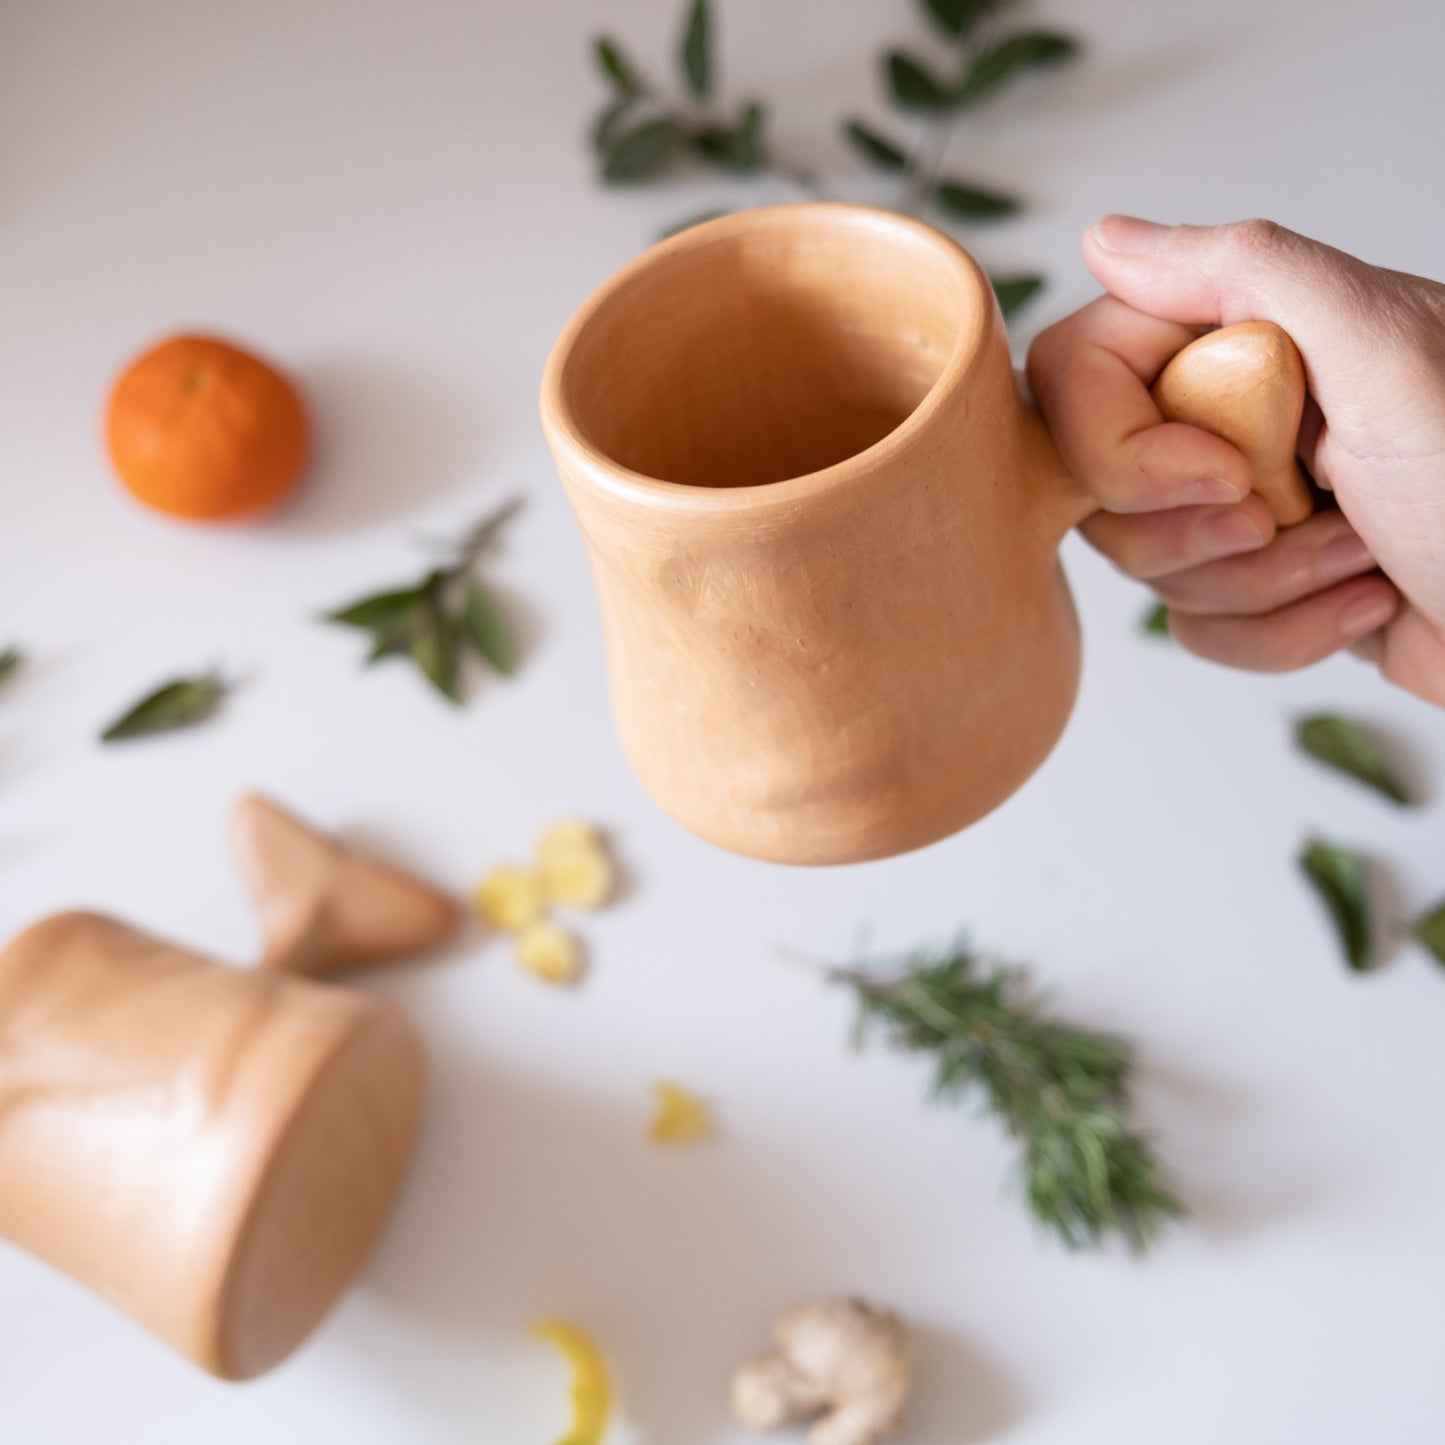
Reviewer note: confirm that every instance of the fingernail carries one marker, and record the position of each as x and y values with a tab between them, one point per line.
1211	489
1342	557
1129	235
1226	533
1366	615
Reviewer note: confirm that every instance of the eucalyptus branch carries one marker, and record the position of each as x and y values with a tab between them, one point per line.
1060	1091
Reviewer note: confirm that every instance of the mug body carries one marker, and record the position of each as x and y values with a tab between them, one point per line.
835	624
213	1150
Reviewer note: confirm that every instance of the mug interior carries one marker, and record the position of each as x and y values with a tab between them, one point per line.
768	346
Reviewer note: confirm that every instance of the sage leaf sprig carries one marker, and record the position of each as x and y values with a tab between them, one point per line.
978	62
1342	744
1340	878
176	704
640	132
1089	1172
434	621
10	661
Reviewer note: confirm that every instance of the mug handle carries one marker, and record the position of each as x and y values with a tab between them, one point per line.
1245	383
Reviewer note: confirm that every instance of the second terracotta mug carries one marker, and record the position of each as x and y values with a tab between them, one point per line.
824	525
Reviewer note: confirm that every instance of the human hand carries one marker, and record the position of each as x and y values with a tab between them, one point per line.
1177	510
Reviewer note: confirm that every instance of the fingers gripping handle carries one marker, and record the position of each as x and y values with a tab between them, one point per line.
1246	383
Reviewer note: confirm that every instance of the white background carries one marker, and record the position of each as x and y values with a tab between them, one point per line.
394	201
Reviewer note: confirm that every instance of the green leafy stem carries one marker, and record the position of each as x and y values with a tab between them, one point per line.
433	621
641	132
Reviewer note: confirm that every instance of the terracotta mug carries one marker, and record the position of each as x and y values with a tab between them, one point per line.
823	524
213	1150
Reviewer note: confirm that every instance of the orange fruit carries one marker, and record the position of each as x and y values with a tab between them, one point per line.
201	429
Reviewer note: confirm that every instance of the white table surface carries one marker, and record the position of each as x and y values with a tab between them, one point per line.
394	201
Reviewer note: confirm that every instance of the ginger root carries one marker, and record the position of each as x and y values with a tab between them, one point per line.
841	1363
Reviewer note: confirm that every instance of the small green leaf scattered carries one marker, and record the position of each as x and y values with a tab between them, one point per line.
488	631
10	661
1346	746
911	85
1339	877
874	147
1014	291
973	203
433	621
641	151
1155	622
1009	58
697	49
177	704
614	65
1430	930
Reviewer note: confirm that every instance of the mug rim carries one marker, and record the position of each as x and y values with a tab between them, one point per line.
564	434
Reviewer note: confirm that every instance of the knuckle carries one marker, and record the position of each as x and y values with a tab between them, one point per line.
1257	238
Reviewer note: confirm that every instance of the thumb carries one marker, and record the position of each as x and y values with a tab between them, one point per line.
1249	271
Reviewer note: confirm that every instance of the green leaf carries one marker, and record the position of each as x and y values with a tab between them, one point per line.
875	147
1155	622
956	18
1001	62
1014	291
604	128
1430	930
739	148
1344	745
973	203
614	64
697	49
488	631
175	705
911	86
1338	875
691	221
642	151
381	611
10	660
434	645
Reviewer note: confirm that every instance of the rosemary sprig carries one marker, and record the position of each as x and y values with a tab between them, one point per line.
1060	1091
432	621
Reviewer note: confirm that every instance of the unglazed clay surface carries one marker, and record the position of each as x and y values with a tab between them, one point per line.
325	907
823	526
213	1150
